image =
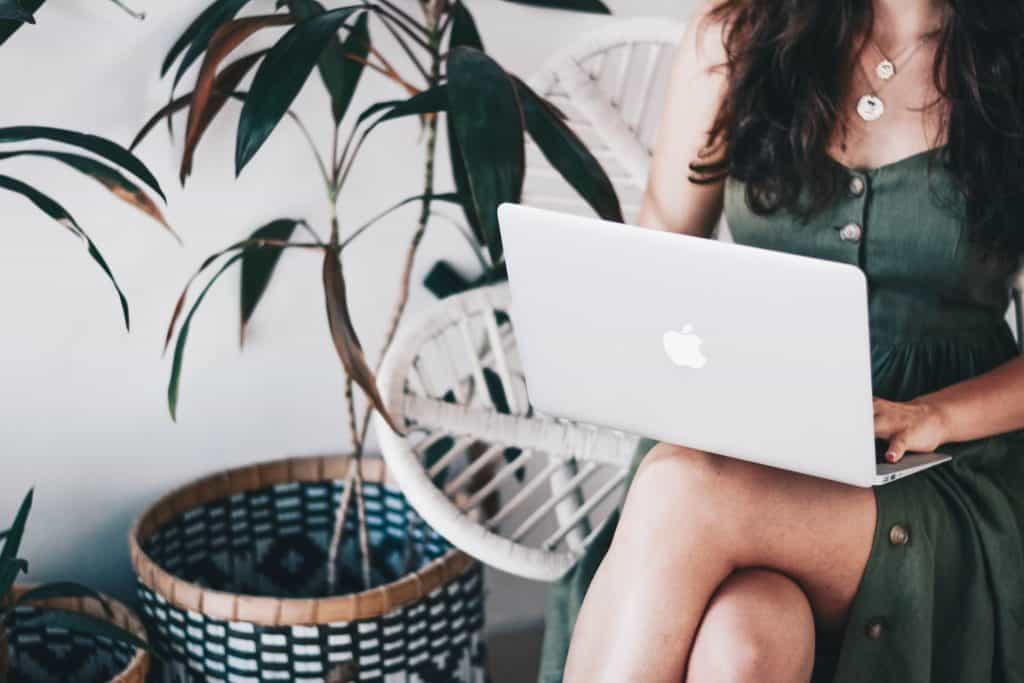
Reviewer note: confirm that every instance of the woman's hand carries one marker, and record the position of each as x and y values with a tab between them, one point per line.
914	426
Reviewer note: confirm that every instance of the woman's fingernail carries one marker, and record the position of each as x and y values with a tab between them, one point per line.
890	456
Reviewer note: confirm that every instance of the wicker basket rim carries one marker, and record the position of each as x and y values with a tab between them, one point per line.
271	611
123	616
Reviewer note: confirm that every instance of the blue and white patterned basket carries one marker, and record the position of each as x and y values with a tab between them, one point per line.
232	583
36	651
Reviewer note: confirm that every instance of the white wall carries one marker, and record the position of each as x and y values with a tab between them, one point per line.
83	415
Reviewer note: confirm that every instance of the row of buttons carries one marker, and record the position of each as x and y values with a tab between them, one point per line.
899	535
853	232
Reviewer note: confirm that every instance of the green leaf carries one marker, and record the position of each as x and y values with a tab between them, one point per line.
9	570
111	151
595	6
341	63
13	542
196	37
432	100
108	176
258	263
567	154
443	280
58	213
77	622
179	348
343	334
62	589
434	453
11	10
461	179
210	260
464	31
488	124
9	26
280	77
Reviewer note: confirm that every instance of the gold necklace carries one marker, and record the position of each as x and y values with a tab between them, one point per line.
870	106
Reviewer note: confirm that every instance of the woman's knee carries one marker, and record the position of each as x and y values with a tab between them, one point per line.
758	627
670	467
688	487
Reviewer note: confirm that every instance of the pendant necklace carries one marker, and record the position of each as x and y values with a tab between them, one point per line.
870	106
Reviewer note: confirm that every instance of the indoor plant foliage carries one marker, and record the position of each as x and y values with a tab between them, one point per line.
40	604
106	162
444	73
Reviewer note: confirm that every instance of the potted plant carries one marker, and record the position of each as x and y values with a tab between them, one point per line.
63	631
360	572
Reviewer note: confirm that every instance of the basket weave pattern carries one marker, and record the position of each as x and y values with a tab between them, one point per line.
213	557
41	653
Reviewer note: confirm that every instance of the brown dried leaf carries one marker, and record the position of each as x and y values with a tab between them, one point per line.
224	41
344	336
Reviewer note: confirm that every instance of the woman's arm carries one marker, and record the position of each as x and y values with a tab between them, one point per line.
989	404
671	201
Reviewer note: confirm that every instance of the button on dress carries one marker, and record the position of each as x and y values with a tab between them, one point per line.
942	596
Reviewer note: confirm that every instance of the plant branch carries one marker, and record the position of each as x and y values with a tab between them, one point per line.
387	70
470	239
418	39
362	228
134	14
405	48
357	440
339	529
410	20
308	228
421	227
312	146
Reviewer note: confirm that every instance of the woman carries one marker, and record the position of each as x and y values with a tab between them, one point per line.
888	134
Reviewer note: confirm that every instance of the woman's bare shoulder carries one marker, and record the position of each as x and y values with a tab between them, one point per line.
672	201
703	42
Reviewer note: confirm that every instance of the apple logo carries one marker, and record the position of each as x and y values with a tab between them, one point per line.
683	348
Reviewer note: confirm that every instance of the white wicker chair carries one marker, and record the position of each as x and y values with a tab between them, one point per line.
539	489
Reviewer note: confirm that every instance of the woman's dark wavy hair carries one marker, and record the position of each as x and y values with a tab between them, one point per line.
788	64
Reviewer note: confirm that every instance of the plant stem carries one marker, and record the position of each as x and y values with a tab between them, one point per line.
312	146
405	48
424	219
339	530
408	18
134	14
415	37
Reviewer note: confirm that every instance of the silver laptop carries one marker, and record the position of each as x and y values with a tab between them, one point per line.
745	352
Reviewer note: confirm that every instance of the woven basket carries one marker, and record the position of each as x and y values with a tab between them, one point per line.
232	582
40	653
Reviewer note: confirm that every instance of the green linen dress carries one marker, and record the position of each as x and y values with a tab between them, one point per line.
942	597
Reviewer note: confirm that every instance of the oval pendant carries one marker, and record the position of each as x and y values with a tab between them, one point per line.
870	107
885	70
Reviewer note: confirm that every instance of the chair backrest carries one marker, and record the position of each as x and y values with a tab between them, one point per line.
611	85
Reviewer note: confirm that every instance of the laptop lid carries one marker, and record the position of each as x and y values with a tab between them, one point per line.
746	352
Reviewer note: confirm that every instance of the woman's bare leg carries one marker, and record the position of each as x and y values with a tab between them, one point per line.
690	520
758	629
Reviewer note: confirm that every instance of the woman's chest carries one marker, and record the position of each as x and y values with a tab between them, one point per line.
900	224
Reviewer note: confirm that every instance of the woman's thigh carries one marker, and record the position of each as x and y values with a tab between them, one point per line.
815	531
758	627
